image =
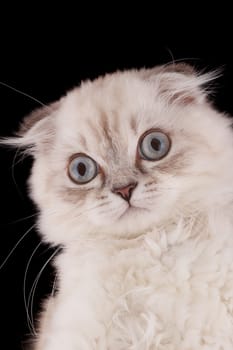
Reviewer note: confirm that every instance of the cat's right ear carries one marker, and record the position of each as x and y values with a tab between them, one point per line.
36	131
180	83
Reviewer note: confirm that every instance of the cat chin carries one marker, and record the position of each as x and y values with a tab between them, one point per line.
126	223
131	224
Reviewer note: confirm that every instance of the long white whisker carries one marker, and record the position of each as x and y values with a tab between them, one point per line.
16	245
22	219
29	322
73	212
13	172
23	93
30	301
87	210
158	189
180	59
33	289
54	286
171	54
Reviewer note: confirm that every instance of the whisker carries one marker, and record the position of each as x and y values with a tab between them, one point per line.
111	210
171	54
16	245
13	172
151	190
173	61
33	288
22	219
88	210
159	188
54	286
29	322
23	93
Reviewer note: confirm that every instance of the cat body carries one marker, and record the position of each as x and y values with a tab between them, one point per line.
150	293
133	177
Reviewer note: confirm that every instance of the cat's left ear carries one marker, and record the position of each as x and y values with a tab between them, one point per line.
180	83
36	131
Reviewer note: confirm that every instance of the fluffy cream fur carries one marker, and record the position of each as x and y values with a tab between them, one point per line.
158	276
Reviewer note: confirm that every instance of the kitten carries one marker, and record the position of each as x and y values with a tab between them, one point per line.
133	176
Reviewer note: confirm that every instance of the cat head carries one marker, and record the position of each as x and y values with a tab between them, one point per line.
125	153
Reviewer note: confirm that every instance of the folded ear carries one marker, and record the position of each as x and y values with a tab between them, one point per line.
36	131
180	83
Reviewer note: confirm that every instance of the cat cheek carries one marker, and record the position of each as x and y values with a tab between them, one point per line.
74	196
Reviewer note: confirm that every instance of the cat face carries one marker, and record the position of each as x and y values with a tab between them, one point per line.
122	154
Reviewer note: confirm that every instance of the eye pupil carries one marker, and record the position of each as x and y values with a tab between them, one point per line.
81	169
155	144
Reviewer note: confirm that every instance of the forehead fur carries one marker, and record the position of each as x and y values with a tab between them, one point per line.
115	102
109	103
104	114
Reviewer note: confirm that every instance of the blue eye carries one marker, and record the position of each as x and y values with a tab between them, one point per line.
82	169
154	145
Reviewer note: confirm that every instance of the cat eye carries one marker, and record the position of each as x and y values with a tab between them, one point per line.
154	145
82	169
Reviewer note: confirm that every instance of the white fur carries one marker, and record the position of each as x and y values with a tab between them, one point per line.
159	277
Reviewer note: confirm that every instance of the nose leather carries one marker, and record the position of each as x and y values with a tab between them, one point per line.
126	191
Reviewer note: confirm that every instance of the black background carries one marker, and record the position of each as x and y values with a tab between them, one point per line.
45	63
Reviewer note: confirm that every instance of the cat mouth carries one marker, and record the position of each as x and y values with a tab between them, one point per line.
131	210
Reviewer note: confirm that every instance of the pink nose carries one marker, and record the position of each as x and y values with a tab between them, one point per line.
126	191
